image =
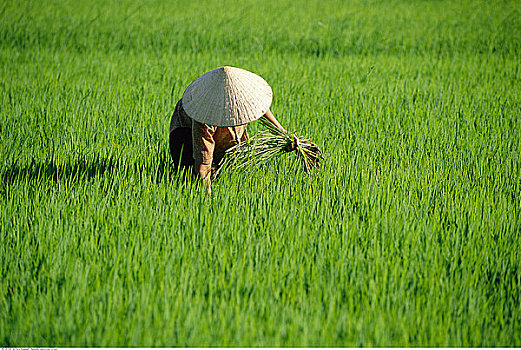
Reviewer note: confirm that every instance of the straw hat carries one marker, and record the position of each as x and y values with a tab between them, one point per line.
227	96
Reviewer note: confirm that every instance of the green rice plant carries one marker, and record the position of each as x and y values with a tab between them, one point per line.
268	145
408	235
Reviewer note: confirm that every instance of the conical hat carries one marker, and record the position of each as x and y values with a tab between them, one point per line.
227	96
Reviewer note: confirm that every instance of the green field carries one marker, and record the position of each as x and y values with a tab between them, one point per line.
409	235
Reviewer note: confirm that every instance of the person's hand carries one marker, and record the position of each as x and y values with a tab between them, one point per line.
292	146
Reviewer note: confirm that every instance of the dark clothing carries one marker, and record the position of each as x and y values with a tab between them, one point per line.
202	145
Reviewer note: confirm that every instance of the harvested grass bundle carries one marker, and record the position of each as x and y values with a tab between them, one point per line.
268	145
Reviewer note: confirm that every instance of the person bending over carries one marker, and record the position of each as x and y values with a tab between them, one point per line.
212	116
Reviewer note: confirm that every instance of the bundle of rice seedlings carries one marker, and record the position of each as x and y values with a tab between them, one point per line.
268	145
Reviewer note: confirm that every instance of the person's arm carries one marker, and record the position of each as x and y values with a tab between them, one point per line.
204	145
272	119
290	147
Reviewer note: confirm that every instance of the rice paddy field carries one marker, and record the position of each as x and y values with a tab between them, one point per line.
408	235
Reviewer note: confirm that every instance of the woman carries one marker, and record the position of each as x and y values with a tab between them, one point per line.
212	116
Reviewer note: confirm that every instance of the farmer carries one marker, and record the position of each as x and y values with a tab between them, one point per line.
212	116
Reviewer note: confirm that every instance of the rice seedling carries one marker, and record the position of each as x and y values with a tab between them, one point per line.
268	145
